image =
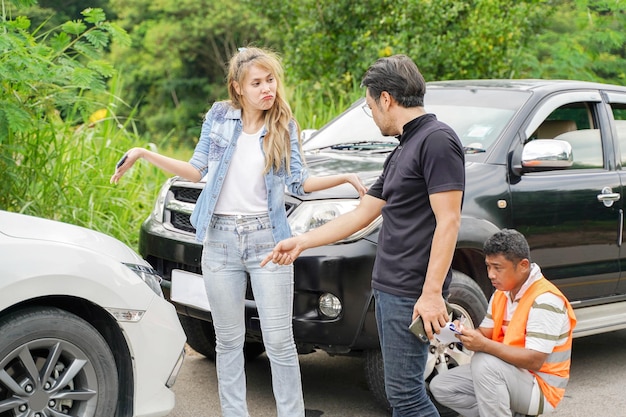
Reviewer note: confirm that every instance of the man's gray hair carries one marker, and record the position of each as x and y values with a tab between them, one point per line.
399	76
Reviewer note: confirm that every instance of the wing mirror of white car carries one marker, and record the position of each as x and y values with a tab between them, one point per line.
306	134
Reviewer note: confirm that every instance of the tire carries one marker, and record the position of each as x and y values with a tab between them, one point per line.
375	377
467	299
55	363
201	338
200	335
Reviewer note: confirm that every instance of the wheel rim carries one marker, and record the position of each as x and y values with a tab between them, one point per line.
442	357
48	377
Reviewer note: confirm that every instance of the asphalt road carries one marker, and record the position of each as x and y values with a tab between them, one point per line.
336	387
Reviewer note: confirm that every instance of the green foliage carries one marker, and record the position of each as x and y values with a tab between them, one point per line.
50	14
314	107
54	160
585	40
44	79
176	66
331	43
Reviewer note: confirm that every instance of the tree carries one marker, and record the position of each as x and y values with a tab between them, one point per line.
176	66
333	42
49	87
584	40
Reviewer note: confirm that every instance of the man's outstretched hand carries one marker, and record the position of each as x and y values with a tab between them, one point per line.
284	253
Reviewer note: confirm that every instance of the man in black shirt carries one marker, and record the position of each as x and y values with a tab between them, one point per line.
419	195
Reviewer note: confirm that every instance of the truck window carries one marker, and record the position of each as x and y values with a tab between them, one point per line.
575	123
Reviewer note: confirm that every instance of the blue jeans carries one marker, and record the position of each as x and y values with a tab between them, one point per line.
404	357
234	247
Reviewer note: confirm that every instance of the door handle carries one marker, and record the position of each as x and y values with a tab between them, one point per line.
608	197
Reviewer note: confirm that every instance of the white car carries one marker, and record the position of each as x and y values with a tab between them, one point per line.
84	328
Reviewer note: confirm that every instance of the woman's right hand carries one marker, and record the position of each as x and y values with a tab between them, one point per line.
125	163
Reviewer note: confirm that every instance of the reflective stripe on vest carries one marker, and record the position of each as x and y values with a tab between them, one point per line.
554	373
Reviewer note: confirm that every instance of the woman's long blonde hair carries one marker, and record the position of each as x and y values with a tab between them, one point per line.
276	145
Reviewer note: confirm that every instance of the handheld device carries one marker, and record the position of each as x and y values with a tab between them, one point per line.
417	326
121	161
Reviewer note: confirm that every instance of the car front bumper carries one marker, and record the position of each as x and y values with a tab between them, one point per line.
157	345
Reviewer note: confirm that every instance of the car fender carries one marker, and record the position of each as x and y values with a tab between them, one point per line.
67	270
474	232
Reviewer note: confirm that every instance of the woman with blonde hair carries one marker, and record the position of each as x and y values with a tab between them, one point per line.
249	151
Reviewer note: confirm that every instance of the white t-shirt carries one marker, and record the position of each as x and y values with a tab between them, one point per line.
244	190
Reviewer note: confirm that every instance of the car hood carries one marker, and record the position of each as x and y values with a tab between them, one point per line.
21	226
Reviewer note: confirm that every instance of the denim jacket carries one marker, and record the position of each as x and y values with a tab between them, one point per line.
221	129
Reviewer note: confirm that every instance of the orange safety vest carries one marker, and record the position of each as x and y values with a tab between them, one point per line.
554	373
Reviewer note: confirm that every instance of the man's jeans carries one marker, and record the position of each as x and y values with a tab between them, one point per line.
235	245
404	357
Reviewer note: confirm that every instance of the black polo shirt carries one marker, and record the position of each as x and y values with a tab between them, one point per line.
429	159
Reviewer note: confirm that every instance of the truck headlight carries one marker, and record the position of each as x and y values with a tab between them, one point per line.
312	214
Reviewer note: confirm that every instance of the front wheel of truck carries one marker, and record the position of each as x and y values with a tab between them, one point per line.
200	335
201	338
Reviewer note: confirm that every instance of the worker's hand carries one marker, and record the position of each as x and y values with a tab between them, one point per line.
472	339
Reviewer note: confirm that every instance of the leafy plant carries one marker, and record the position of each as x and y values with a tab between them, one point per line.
56	152
583	40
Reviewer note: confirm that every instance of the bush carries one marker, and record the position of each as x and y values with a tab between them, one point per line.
59	136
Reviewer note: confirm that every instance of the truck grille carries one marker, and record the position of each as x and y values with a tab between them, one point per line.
180	221
188	195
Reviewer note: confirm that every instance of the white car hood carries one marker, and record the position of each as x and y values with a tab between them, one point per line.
35	228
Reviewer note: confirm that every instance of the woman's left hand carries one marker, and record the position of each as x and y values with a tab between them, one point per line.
356	183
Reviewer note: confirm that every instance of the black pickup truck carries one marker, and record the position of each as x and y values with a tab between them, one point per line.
544	157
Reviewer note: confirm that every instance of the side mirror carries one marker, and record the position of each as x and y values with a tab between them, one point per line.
546	154
306	134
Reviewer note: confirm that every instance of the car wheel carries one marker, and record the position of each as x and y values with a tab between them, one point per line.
55	363
375	377
467	299
201	338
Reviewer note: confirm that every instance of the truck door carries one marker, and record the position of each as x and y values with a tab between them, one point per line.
571	217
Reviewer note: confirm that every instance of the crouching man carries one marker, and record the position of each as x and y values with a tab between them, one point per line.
522	348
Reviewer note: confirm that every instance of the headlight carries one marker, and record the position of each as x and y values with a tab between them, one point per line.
149	276
312	214
159	204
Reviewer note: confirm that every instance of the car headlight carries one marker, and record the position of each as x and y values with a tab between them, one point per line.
312	214
159	204
149	276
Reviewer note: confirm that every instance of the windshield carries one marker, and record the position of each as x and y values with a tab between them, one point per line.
478	116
